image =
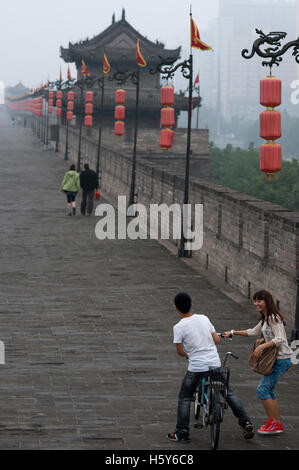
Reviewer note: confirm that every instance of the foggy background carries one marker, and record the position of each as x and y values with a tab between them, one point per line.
32	32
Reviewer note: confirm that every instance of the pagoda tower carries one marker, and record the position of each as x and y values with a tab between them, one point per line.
118	42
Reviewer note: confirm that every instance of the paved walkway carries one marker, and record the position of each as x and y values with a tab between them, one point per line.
87	326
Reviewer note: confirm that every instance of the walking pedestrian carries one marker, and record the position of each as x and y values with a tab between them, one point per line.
71	186
272	327
196	339
89	183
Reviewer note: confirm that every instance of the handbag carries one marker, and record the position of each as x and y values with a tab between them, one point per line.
264	364
97	195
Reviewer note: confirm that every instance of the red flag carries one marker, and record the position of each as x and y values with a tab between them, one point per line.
195	39
106	65
140	59
84	69
196	80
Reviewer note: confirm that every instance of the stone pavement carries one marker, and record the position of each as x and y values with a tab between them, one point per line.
87	326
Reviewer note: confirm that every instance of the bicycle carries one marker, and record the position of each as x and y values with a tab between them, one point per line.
211	397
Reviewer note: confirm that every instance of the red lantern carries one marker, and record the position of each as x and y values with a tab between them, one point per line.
51	102
167	117
71	96
58	112
89	108
70	106
120	97
119	128
166	139
270	161
69	116
167	95
120	113
51	95
88	121
59	95
270	88
59	103
89	97
50	109
270	123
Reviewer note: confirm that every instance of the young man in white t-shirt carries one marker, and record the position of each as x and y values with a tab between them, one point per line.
195	338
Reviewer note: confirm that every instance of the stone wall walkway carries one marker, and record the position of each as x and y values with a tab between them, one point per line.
87	325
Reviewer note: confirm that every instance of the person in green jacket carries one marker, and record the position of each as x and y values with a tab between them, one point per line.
71	186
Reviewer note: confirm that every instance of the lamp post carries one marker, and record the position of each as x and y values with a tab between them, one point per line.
122	77
101	82
167	71
273	55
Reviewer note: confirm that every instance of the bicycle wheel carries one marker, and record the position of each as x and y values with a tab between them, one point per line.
215	418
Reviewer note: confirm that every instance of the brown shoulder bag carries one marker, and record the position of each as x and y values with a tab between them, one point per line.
264	364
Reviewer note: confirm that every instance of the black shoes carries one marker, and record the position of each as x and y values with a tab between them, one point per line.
247	429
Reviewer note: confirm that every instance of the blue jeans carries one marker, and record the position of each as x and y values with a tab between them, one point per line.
188	388
266	387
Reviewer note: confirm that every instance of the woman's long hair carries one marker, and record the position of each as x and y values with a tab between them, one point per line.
271	308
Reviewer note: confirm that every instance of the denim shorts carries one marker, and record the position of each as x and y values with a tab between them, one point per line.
266	387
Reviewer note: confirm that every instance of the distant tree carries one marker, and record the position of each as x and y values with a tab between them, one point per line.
239	169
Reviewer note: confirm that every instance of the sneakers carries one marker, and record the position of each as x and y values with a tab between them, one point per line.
271	427
248	430
178	437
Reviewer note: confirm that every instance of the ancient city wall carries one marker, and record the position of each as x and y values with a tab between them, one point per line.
249	243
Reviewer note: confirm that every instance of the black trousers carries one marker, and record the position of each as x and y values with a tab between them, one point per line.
87	201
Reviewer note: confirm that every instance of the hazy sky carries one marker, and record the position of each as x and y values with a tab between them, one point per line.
32	31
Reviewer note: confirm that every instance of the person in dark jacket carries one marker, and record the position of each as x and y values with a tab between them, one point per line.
89	183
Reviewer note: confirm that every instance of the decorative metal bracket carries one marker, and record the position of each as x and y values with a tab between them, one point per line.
167	69
273	53
121	77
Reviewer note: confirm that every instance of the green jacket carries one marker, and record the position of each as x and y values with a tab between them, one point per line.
71	182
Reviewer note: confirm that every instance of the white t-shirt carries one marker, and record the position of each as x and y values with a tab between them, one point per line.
194	333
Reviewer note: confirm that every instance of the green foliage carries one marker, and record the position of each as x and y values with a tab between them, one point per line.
239	169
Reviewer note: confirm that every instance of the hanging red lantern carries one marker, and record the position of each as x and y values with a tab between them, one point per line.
59	95
50	110
120	113
51	95
51	102
271	159
167	95
119	128
270	92
120	97
89	97
59	103
167	117
88	121
270	125
70	106
58	112
166	139
69	116
89	108
71	96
